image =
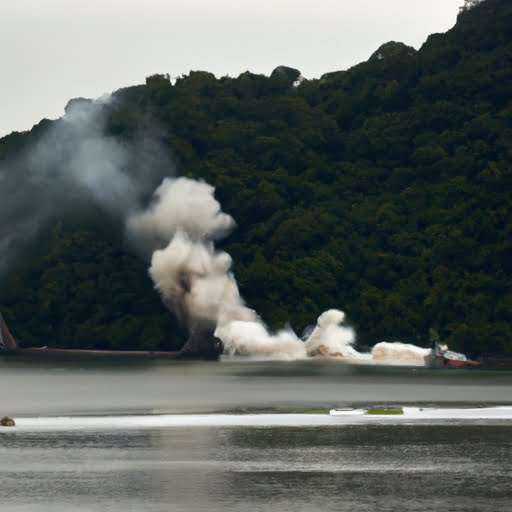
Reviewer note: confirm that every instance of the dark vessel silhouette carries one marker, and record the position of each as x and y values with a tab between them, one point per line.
201	344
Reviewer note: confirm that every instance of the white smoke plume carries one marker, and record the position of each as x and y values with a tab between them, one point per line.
77	152
194	279
196	282
333	339
399	353
330	337
180	204
72	161
253	339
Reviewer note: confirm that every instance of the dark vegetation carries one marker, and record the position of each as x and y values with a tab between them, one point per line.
384	190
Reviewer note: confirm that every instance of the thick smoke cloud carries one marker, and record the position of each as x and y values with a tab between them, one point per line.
194	279
398	352
74	162
180	204
330	337
196	283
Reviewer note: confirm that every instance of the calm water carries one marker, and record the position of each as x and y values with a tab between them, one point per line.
447	466
87	387
352	468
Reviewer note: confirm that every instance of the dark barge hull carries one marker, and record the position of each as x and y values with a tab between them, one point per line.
442	362
201	344
56	353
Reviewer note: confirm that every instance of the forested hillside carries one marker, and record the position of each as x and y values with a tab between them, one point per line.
383	190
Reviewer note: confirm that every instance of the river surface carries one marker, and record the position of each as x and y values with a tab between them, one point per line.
32	388
84	440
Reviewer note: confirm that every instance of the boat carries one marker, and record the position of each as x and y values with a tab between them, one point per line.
7	341
371	411
201	344
441	357
346	411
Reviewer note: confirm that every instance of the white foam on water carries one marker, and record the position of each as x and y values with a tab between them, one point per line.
166	420
398	353
430	413
349	416
330	338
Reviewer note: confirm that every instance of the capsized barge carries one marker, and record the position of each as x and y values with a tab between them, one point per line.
441	357
201	344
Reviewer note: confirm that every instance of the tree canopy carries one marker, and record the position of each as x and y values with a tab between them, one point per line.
383	190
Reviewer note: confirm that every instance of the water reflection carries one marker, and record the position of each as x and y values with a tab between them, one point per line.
346	468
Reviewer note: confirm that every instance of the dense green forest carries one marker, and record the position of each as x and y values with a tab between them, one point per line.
383	190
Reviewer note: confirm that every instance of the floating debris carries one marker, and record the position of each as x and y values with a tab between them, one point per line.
7	422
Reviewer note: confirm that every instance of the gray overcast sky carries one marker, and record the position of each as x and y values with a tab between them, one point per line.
54	50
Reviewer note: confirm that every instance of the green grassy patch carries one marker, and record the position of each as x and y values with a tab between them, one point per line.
385	411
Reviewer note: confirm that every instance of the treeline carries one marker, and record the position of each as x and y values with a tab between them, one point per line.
384	190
